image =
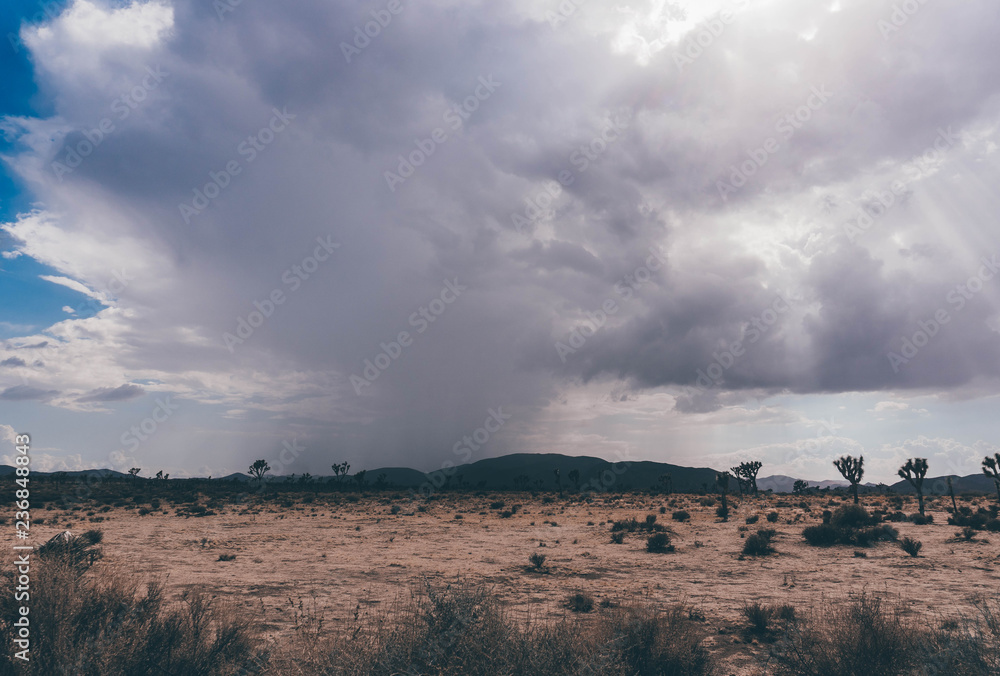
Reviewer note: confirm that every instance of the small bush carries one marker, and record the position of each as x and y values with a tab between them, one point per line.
394	509
722	511
580	603
681	515
497	505
227	557
659	543
759	544
759	616
506	514
921	520
752	519
852	516
537	560
772	517
911	546
617	538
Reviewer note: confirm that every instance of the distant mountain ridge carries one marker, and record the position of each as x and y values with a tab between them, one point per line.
538	471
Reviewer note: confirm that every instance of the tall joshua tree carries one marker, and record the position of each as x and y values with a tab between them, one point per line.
258	469
914	471
747	471
852	469
574	476
722	481
991	468
667	482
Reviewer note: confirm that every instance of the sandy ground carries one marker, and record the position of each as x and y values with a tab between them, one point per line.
337	557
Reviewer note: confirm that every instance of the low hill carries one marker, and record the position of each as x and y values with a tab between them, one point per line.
973	483
538	470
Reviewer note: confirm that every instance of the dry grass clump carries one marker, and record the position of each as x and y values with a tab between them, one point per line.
97	620
466	630
871	635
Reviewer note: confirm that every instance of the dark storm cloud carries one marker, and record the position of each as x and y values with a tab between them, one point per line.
654	185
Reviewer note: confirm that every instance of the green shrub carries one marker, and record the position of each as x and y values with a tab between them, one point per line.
759	544
659	543
681	515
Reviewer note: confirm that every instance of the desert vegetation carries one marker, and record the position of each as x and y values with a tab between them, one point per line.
343	577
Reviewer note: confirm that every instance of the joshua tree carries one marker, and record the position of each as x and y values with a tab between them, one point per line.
747	473
914	471
359	477
258	469
852	469
722	481
951	491
667	482
991	468
340	470
574	476
161	475
800	486
134	472
558	480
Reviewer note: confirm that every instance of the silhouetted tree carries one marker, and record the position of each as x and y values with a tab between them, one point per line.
800	486
359	478
134	472
258	469
852	469
722	481
951	491
991	468
667	482
747	471
574	476
340	470
914	471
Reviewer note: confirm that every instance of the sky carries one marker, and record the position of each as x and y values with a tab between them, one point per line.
401	235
